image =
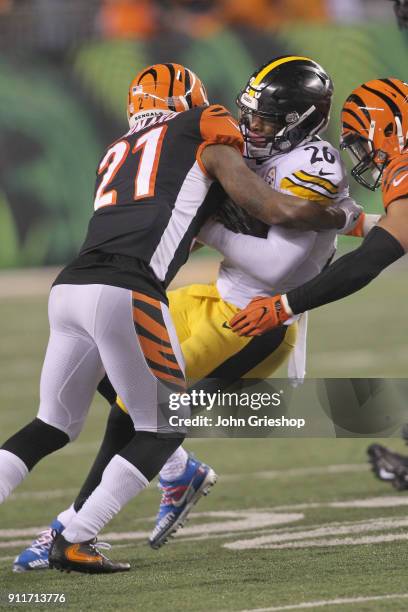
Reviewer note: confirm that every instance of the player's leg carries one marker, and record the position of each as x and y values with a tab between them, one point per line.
65	394
66	391
280	349
119	431
184	479
140	352
181	473
211	351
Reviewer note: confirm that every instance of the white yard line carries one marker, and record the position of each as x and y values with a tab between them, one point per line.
328	602
42	495
298	472
301	539
28	282
258	527
322	543
261	475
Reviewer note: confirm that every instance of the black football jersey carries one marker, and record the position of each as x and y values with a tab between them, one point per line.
152	195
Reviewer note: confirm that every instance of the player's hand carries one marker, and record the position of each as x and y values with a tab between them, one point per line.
261	315
352	210
394	183
401	13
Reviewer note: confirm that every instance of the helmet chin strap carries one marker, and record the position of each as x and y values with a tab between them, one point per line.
400	134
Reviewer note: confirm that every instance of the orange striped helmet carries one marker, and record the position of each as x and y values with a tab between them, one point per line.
374	127
165	86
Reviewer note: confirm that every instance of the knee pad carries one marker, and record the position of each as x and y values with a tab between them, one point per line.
35	441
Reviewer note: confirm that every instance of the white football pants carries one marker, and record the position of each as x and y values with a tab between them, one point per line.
98	328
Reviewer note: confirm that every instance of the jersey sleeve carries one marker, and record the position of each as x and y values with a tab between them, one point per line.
218	126
395	180
314	172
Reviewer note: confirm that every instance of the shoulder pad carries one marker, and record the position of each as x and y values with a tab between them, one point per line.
314	171
218	126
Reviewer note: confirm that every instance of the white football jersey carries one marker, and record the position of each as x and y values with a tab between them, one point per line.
313	171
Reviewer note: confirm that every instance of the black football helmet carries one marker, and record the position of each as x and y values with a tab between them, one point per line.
291	93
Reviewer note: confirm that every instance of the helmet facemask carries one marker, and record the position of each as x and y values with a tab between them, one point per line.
374	128
287	130
259	144
369	162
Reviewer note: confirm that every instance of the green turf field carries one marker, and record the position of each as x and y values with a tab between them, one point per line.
289	522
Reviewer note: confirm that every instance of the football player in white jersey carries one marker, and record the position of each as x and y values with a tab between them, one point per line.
283	108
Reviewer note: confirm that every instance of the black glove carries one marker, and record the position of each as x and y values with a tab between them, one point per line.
401	13
237	220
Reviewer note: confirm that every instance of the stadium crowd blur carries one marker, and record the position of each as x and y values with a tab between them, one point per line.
61	22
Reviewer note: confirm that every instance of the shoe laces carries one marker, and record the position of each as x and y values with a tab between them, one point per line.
98	546
42	542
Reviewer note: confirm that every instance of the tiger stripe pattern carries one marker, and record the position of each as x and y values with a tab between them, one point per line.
375	108
155	341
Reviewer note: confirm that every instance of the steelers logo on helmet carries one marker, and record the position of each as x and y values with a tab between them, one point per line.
165	87
284	103
374	128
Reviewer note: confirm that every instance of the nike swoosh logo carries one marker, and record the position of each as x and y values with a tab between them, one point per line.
225	325
321	173
396	182
73	553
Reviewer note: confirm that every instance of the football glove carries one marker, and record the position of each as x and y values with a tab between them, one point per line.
395	179
401	13
353	211
261	315
389	466
237	220
365	223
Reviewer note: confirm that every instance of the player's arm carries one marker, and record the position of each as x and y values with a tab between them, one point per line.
384	244
345	276
250	192
268	259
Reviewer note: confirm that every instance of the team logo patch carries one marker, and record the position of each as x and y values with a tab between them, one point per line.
270	177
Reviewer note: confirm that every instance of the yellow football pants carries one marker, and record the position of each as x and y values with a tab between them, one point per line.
211	349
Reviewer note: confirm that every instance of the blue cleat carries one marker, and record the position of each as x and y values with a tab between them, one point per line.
178	499
35	557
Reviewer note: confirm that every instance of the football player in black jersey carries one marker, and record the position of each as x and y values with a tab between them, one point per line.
155	187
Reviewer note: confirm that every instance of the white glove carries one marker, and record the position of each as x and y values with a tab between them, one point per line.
352	211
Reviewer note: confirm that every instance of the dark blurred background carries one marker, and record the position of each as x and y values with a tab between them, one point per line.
65	66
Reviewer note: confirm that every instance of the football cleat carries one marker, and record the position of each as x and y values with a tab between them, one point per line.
389	466
84	557
35	557
178	499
